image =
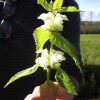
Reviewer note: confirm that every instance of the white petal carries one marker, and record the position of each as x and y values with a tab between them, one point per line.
58	27
63	17
44	63
39	51
59	52
45	51
61	57
45	54
43	60
53	58
58	21
49	16
44	27
47	24
38	60
42	16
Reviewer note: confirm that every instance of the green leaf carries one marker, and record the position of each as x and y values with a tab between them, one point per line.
63	79
41	37
45	5
69	9
22	73
57	4
65	45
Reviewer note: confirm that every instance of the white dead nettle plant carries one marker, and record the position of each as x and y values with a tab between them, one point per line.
51	59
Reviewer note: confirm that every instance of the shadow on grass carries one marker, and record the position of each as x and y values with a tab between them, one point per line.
90	88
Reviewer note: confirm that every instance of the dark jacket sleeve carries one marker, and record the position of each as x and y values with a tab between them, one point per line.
72	33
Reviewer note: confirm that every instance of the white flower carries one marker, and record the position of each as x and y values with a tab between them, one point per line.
39	51
58	21
56	58
44	53
53	60
48	20
42	61
52	21
60	55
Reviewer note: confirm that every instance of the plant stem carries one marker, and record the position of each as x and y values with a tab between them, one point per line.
51	49
48	75
48	69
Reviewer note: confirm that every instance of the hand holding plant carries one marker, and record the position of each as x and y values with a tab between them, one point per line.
51	91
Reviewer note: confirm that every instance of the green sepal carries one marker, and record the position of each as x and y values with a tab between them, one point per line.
58	40
47	6
22	73
41	36
57	4
63	79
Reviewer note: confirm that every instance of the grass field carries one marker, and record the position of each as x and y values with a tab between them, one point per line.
90	49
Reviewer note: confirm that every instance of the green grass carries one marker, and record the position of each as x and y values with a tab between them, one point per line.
90	49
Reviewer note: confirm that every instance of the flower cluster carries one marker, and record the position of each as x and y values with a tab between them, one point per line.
52	21
50	60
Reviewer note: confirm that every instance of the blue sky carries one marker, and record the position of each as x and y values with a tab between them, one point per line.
88	6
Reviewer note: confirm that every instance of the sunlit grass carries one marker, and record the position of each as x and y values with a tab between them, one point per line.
90	49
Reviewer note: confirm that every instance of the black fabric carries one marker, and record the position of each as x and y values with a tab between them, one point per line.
18	52
5	25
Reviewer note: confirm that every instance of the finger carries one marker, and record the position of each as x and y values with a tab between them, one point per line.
28	97
43	92
64	95
46	92
36	93
61	93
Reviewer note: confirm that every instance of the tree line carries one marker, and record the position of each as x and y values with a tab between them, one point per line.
90	27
